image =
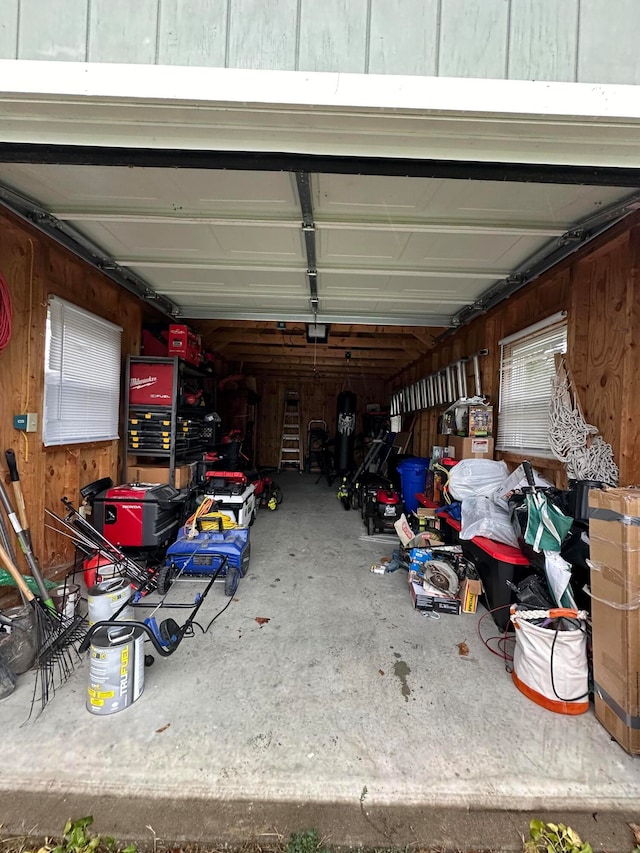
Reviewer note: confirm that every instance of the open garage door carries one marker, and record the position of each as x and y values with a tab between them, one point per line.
332	199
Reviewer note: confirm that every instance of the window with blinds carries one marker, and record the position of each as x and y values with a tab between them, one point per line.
82	376
527	369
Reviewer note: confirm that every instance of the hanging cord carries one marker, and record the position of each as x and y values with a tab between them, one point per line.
573	441
26	382
347	383
6	313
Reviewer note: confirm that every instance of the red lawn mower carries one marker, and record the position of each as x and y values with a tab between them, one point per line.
381	508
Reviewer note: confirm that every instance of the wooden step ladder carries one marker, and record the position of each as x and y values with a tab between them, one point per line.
291	444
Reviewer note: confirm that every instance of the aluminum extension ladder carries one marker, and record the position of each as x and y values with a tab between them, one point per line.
291	444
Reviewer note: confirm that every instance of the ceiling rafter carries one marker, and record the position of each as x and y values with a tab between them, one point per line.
321	352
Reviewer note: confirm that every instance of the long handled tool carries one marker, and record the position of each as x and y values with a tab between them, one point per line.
12	465
6	543
55	655
25	545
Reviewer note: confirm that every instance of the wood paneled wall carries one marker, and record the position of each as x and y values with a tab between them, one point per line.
317	401
35	267
600	290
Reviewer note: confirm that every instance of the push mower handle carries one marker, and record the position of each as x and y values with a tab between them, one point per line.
115	623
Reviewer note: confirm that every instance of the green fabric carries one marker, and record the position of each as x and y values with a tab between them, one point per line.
546	525
7	580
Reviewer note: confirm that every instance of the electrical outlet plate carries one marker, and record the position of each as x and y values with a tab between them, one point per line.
27	422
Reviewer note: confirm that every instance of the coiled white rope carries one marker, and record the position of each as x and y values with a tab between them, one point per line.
575	442
549	614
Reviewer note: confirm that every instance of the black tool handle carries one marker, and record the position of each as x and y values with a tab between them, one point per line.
12	465
528	472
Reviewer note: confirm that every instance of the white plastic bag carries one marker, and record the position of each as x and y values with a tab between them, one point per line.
481	517
472	477
550	667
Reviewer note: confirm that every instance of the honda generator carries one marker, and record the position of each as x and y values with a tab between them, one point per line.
381	510
139	515
233	494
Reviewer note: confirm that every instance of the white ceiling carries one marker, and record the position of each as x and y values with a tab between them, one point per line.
230	244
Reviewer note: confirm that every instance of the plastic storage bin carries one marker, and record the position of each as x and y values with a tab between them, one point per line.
413	475
496	564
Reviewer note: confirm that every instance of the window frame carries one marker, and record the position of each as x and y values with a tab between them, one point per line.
80	378
546	329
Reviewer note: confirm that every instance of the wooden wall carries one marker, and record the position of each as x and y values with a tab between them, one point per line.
317	401
35	267
600	290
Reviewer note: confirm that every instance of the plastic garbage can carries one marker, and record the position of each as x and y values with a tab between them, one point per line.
413	476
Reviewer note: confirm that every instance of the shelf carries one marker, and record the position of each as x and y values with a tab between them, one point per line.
168	379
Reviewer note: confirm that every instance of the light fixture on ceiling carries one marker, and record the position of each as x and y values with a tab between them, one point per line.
317	333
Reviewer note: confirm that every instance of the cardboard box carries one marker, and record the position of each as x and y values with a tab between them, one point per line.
614	533
427	512
480	421
433	603
468	595
159	474
429	522
470	448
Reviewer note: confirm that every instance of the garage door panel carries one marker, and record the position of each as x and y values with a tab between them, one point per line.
382	198
509	202
375	196
393	288
451	250
269	243
360	247
239	285
188	191
385	311
131	242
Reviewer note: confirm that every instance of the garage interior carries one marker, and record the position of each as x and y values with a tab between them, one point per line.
348	697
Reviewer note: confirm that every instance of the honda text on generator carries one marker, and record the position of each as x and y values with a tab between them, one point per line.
139	515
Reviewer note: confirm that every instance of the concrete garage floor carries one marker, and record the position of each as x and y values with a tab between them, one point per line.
263	729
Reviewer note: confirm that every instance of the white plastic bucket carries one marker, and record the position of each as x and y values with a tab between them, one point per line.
550	666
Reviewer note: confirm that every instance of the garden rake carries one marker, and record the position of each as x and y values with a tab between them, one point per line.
57	636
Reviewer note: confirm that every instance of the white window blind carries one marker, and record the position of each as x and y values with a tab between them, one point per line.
527	369
82	376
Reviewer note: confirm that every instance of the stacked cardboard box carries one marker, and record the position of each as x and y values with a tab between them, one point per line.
614	533
160	474
473	447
